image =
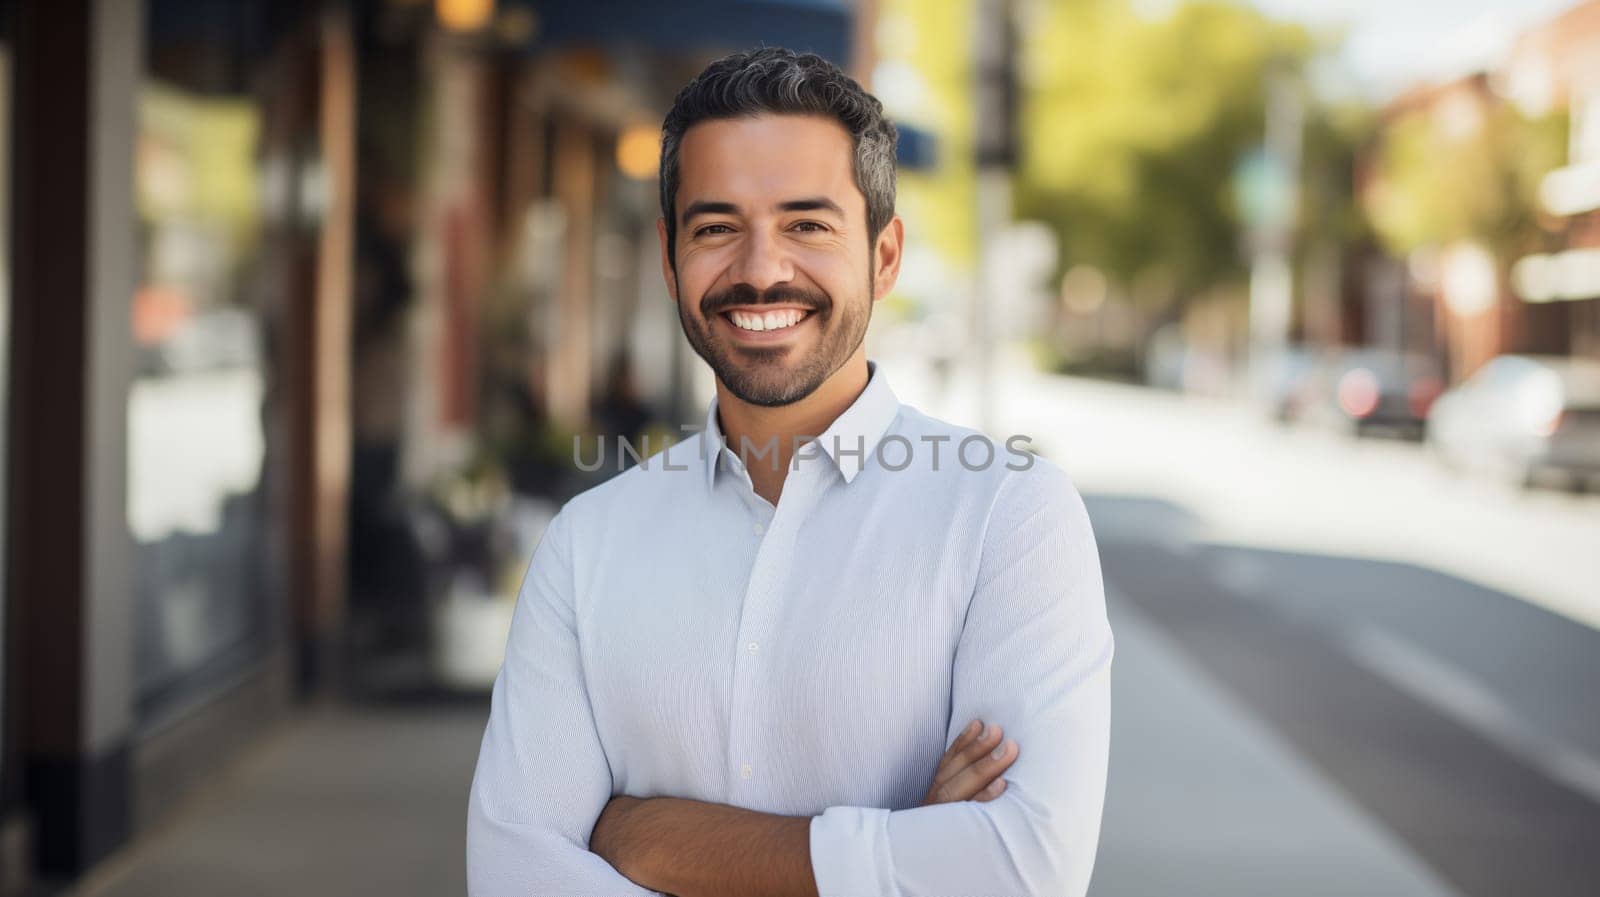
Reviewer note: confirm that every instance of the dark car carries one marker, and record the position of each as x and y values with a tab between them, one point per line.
1371	392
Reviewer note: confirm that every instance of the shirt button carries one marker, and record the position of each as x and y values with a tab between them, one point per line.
760	529
754	647
745	772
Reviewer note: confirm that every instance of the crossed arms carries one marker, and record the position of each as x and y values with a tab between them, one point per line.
1033	657
687	847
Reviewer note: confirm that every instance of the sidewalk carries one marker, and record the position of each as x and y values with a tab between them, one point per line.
365	801
1205	800
343	801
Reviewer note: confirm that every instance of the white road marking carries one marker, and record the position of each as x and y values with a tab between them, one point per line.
1457	695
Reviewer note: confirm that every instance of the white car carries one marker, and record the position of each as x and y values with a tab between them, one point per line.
1524	418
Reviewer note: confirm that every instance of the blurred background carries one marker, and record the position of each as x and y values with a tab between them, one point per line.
303	302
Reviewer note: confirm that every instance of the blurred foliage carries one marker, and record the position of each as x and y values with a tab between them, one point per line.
1335	135
1103	362
924	76
1466	166
196	162
1134	125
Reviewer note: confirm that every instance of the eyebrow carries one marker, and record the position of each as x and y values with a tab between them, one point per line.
809	204
706	207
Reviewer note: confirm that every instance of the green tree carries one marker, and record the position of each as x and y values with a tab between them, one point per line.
1462	165
1133	127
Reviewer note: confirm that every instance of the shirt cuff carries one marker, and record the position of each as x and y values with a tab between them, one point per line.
850	854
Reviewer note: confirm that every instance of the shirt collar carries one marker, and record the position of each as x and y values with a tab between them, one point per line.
858	428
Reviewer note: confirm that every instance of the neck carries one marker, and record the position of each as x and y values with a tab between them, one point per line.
777	427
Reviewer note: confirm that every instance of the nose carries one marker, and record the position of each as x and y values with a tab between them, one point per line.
762	262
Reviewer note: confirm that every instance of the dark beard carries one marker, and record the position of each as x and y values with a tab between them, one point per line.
756	375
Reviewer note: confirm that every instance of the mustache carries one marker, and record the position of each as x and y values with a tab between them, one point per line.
780	294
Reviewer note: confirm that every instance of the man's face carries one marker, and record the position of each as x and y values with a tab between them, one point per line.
775	275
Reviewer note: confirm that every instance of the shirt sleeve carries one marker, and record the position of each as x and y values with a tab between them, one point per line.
542	776
1034	656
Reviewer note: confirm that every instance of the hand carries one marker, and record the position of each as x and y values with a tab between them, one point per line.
613	838
970	770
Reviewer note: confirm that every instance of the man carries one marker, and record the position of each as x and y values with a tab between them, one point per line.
735	668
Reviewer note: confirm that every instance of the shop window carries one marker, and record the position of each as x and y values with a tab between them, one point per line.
196	444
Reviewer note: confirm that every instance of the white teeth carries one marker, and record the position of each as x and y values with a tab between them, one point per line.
772	320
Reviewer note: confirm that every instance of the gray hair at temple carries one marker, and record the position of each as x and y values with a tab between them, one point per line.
778	81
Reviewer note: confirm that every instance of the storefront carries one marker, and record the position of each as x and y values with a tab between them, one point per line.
196	502
174	405
280	269
508	290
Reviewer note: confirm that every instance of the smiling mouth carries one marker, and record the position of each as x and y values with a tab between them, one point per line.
766	322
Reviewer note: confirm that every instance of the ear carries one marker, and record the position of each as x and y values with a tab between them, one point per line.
886	255
667	273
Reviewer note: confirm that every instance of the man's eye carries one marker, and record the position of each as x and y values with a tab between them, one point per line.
710	230
810	226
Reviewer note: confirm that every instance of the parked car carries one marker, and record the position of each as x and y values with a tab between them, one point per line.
1375	392
1524	418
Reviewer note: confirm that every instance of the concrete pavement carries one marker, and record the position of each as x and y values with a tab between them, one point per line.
343	802
371	801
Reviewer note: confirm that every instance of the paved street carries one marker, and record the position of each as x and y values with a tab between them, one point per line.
1206	800
1340	671
1457	720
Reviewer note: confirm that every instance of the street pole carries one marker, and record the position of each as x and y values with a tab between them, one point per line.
1271	277
995	100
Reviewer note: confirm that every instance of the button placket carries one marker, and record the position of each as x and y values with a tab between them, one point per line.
751	608
773	562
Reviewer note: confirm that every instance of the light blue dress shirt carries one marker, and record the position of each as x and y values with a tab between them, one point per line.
678	635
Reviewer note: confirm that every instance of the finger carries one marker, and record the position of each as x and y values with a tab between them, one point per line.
964	739
964	754
952	761
967	783
973	752
994	790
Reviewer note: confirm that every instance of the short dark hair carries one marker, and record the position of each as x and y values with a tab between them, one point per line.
779	81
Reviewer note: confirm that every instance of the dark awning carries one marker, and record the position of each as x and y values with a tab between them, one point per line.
819	26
